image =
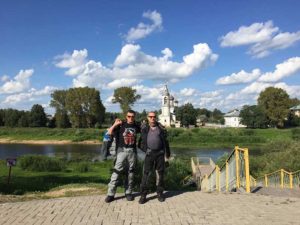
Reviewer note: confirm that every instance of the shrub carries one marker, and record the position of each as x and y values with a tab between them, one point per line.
173	133
174	175
83	167
41	163
296	134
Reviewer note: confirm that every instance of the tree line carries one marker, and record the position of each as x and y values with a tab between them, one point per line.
36	117
272	110
82	108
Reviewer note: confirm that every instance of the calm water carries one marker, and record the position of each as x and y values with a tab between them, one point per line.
93	152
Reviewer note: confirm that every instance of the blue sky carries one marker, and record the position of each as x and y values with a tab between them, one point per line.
214	54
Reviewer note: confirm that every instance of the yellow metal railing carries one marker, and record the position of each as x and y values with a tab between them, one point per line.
282	178
233	175
196	164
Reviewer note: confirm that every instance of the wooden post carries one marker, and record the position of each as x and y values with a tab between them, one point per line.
8	179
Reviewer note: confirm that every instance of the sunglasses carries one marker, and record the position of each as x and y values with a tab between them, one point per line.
130	116
152	117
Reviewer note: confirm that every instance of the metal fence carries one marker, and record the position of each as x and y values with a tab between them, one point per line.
281	179
233	175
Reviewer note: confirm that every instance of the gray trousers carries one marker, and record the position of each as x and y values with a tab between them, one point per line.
126	158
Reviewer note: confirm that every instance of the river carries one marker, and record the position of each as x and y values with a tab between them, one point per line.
93	152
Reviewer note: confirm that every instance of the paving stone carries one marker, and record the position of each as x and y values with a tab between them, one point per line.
179	208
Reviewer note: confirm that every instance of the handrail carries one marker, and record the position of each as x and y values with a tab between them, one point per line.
233	174
281	178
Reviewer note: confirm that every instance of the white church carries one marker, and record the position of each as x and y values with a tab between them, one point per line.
167	116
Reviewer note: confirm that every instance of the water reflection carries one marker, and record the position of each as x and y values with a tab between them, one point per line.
93	152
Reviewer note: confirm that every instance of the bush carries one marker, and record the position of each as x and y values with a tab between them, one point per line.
296	134
280	155
174	175
41	163
173	133
83	167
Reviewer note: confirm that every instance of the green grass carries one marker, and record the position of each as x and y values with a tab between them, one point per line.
179	137
28	181
276	155
227	137
23	181
70	134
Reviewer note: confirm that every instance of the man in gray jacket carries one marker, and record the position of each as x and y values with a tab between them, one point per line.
154	143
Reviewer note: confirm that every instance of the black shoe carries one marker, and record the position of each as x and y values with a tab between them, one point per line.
160	197
143	199
129	197
109	198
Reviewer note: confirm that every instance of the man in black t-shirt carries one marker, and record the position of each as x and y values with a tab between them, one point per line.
125	133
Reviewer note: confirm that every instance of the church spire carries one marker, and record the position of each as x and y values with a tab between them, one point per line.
166	91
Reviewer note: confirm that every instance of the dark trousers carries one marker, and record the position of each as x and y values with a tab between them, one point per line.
153	160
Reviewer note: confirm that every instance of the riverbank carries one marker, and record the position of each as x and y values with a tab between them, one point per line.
36	177
178	137
46	142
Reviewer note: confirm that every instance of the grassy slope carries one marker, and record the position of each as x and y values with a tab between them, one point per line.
27	181
70	134
179	137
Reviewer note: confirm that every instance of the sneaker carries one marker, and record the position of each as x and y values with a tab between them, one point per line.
129	197
109	198
143	199
160	197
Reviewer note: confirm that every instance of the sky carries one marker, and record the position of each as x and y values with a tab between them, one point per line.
211	53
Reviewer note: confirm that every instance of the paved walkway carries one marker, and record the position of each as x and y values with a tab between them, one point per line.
179	208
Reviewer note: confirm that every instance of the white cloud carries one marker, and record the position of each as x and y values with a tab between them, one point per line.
255	33
280	41
240	77
187	91
251	92
19	83
132	64
292	90
4	78
149	95
285	69
121	83
74	62
263	37
142	30
29	96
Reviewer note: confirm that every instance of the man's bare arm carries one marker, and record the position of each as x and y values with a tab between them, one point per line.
116	123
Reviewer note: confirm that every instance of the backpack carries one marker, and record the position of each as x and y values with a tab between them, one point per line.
108	146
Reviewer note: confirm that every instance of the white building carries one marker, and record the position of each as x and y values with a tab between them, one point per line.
296	110
233	119
167	116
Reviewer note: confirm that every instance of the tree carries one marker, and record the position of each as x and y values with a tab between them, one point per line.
81	106
85	107
253	117
202	119
141	116
187	114
2	116
24	119
204	111
126	97
37	116
216	116
59	103
11	117
275	103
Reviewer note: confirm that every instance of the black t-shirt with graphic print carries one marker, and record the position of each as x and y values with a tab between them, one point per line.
126	134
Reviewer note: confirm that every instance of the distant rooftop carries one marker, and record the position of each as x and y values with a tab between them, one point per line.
233	113
297	107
